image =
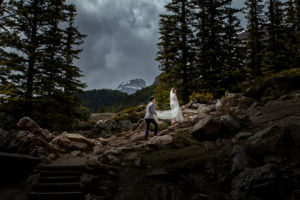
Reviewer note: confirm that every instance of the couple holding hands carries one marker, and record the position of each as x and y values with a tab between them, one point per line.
175	114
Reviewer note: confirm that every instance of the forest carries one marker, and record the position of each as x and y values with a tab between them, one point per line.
38	44
201	49
106	100
200	52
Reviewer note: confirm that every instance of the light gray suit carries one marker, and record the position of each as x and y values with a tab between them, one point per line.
150	111
149	118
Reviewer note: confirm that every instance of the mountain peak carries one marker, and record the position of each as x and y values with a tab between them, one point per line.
131	86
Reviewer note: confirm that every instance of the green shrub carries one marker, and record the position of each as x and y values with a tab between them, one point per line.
134	114
85	125
162	126
202	97
181	140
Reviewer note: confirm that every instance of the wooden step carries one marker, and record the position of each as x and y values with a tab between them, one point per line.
59	179
62	167
56	173
56	196
57	187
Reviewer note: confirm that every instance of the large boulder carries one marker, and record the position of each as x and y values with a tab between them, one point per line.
67	142
24	142
27	124
160	140
277	112
240	159
264	133
231	123
207	129
259	183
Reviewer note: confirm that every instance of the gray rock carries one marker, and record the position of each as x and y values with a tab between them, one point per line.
241	136
245	102
137	161
230	122
240	160
207	129
160	140
27	124
263	182
267	132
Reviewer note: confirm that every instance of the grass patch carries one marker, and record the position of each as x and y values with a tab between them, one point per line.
134	114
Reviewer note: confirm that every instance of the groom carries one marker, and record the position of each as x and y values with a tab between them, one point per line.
149	117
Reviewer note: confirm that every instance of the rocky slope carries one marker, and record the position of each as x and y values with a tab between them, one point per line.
247	146
132	86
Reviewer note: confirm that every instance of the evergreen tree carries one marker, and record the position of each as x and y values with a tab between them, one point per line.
72	39
50	67
219	54
290	33
27	23
255	31
39	46
233	71
275	55
297	34
175	48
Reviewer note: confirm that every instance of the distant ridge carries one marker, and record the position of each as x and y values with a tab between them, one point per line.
130	87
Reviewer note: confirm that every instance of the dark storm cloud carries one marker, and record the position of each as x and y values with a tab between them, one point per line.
121	43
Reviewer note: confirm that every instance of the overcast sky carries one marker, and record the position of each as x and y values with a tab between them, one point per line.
121	42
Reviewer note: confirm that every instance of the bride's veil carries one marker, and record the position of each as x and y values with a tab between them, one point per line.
171	96
167	114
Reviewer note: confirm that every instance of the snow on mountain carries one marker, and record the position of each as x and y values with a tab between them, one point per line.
132	86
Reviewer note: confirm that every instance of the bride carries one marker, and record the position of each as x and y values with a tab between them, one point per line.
175	114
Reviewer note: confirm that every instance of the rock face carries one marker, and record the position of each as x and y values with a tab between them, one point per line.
132	86
207	129
261	182
25	142
27	124
230	122
67	142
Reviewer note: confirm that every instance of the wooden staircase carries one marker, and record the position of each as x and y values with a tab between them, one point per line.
58	182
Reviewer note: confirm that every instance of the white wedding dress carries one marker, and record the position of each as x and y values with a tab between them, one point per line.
174	113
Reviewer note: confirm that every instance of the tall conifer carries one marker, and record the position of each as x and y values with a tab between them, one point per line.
275	55
175	47
256	35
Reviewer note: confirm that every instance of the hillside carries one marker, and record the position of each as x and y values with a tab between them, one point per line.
113	100
247	147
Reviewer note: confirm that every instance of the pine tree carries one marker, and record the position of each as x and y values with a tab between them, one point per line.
72	39
290	32
175	48
275	55
233	71
71	74
50	67
212	43
26	23
38	52
297	34
256	35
